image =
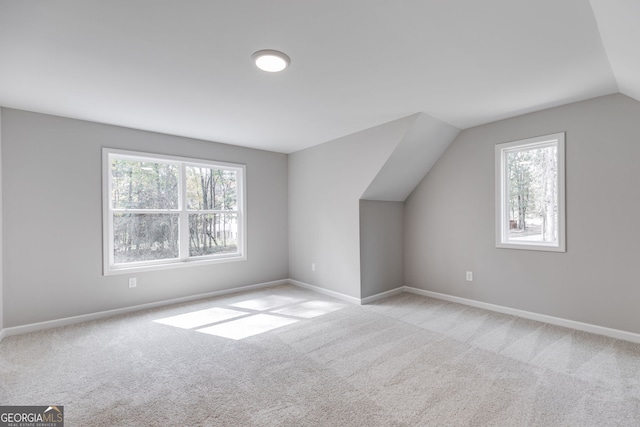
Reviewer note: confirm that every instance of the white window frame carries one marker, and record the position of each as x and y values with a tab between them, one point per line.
183	260
502	191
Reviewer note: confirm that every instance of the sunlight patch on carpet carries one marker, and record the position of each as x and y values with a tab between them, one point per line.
251	317
200	318
248	326
266	303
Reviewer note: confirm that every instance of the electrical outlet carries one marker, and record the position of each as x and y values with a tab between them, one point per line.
313	266
133	282
469	276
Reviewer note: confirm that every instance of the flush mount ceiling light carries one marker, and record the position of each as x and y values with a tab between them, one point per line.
270	60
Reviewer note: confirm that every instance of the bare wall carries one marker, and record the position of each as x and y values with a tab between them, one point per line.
53	219
449	219
1	239
326	183
381	246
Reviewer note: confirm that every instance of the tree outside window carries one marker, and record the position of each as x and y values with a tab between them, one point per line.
530	193
162	210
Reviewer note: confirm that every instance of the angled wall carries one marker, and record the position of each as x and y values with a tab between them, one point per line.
382	204
346	204
326	183
418	150
449	219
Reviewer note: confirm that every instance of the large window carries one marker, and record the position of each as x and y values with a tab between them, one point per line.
168	211
530	200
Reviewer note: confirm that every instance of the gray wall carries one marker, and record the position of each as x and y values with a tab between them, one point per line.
53	226
326	183
381	246
1	240
449	219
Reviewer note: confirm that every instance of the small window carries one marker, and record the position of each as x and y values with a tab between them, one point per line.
162	211
530	202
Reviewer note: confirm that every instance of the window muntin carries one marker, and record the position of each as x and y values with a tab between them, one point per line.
530	194
165	211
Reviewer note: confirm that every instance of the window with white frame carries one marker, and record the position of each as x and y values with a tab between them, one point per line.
162	211
530	201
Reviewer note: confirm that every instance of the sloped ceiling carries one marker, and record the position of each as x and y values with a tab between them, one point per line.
619	24
184	68
419	149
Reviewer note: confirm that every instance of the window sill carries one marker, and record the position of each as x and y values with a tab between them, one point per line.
111	271
531	247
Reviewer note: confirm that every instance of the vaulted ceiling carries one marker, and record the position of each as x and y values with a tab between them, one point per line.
184	67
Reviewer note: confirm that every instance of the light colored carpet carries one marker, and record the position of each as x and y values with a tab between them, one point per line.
404	361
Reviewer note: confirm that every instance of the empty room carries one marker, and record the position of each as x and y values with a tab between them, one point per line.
319	213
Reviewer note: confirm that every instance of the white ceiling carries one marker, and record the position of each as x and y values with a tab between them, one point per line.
184	67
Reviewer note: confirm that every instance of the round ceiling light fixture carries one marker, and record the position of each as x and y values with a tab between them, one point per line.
271	60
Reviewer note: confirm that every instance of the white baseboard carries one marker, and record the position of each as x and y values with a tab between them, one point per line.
381	295
347	298
334	294
586	327
32	327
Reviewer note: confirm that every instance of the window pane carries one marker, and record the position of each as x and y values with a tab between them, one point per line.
211	189
213	234
533	194
143	185
144	237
